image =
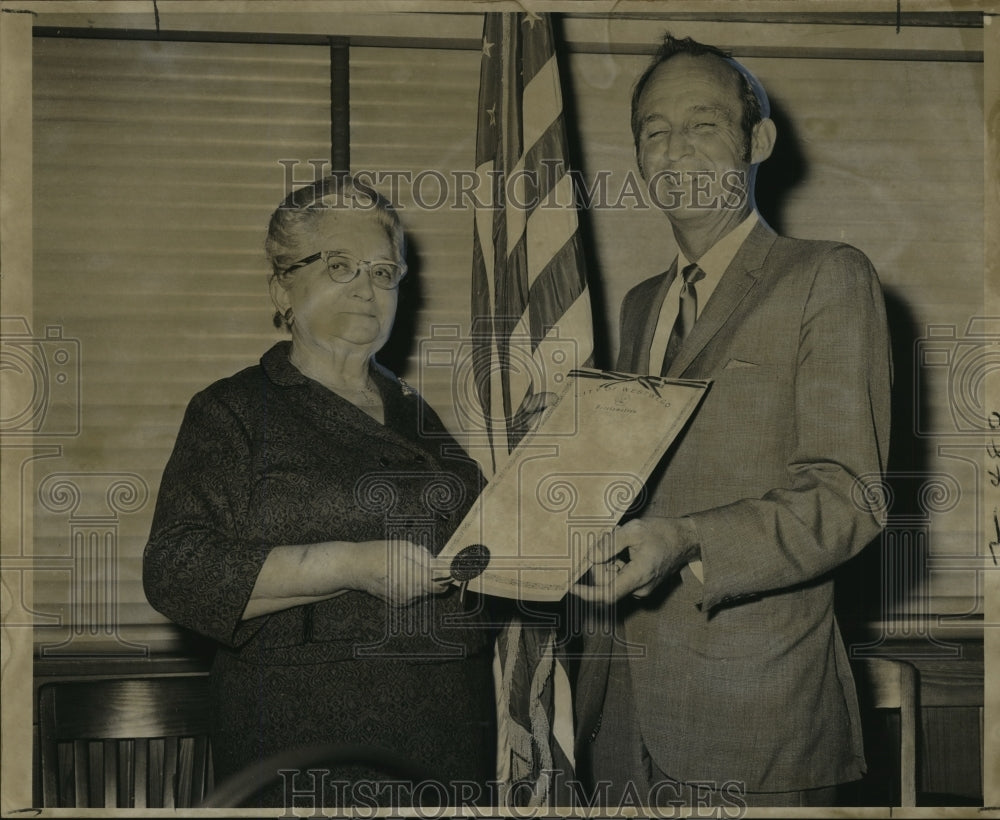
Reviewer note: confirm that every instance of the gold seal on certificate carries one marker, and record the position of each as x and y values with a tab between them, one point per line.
568	483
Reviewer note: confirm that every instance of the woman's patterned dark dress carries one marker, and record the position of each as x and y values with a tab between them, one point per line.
270	457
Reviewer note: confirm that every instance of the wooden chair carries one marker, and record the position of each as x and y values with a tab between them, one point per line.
884	683
124	743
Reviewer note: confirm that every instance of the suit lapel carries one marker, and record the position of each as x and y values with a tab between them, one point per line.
736	283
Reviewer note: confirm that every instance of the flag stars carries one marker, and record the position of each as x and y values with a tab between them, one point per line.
487	47
492	111
531	17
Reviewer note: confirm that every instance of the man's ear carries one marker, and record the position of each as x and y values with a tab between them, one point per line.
762	141
279	295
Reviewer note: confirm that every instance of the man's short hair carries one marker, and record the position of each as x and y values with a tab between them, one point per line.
752	95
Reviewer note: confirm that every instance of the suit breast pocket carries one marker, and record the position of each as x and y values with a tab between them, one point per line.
748	419
740	364
750	388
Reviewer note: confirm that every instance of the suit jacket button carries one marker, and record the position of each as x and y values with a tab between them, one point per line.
597	728
383	461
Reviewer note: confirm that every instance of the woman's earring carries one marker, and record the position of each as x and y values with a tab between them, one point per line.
283	320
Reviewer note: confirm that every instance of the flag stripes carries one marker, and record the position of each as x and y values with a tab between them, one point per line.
528	270
531	325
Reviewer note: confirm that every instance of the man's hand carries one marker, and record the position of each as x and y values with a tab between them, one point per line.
638	556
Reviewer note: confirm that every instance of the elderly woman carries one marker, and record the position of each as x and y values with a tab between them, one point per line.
298	517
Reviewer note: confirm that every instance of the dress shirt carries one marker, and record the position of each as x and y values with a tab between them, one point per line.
714	264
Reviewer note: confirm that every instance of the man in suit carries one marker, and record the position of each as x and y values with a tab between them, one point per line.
728	681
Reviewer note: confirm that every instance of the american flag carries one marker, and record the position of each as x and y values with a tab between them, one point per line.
529	299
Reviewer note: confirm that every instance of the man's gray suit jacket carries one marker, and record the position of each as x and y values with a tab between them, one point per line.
745	677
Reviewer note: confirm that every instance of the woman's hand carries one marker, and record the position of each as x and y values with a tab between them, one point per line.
399	572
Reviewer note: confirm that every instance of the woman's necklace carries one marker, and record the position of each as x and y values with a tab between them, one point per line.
369	396
364	396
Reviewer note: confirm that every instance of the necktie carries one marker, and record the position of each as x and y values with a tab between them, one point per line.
687	312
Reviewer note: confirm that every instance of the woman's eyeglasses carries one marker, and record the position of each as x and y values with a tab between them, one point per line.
344	268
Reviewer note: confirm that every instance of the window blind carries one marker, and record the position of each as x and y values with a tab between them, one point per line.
413	128
157	166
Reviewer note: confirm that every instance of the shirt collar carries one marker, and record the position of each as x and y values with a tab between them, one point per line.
715	261
279	368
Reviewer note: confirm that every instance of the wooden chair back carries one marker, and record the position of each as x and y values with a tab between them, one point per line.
125	743
886	683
